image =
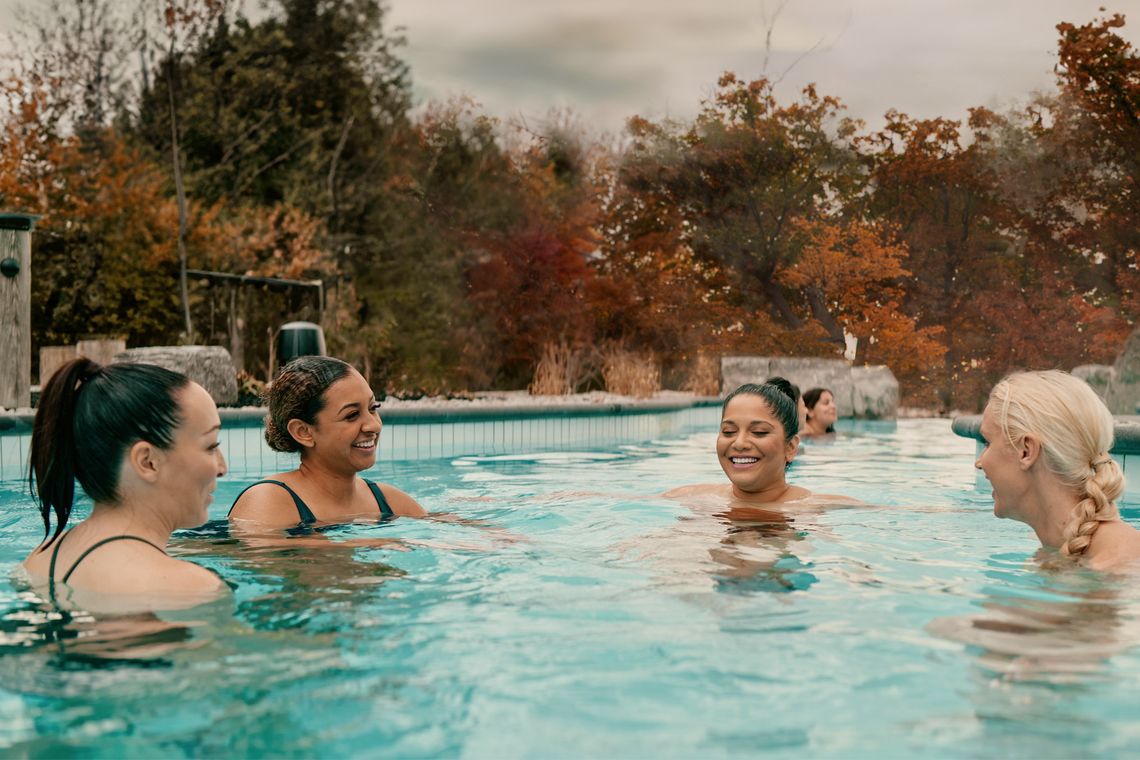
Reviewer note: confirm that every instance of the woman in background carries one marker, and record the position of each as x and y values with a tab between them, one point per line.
821	412
1047	436
324	409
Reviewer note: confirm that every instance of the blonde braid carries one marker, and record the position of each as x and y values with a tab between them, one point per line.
1075	429
1103	486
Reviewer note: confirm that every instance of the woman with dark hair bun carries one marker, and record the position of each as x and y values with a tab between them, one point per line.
323	409
143	443
759	436
792	390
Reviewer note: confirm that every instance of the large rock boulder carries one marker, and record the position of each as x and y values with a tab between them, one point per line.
874	393
1098	376
1123	392
209	366
865	392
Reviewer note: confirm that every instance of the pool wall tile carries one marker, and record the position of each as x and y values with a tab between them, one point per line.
406	438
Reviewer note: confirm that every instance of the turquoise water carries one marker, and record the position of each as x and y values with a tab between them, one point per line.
575	613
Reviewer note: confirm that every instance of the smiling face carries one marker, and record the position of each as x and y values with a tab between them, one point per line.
824	413
752	449
1000	462
347	430
194	462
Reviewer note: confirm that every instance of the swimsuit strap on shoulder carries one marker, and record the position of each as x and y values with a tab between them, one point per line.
51	565
381	500
97	544
303	510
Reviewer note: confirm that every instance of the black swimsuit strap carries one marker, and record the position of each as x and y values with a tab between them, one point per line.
381	501
303	510
96	545
51	565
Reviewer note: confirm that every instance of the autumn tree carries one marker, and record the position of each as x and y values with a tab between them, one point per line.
104	258
301	109
544	256
742	177
858	271
654	293
1094	132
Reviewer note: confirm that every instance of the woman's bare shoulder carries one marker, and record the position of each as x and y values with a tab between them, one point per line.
134	567
266	503
401	503
1116	547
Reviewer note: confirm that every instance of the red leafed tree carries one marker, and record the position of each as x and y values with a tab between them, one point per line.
530	281
741	178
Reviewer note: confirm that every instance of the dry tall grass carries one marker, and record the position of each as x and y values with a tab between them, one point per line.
560	370
704	376
629	373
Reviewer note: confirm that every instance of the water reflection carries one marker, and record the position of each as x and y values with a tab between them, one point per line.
309	579
1064	629
78	637
1045	653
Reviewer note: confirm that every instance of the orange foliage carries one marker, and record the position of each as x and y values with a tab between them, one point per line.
280	241
859	272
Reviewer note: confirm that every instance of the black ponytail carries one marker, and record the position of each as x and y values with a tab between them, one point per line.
86	419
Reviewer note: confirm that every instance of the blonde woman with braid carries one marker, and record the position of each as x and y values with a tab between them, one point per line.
1047	436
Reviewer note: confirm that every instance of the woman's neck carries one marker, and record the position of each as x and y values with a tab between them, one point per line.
338	485
1056	504
768	495
815	428
128	519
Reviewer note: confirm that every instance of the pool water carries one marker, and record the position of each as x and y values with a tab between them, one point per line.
574	612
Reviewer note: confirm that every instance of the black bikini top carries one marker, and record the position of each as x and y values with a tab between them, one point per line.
83	556
306	515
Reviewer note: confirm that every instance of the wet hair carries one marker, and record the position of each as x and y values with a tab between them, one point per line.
812	397
779	399
1076	432
87	418
298	393
788	387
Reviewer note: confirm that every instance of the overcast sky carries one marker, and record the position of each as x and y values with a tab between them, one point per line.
610	59
607	60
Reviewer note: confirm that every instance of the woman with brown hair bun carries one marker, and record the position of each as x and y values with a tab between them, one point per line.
1047	437
324	409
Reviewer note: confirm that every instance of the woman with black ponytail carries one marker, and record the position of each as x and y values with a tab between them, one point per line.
142	442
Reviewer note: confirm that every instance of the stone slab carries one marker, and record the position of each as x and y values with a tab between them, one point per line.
209	366
863	392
